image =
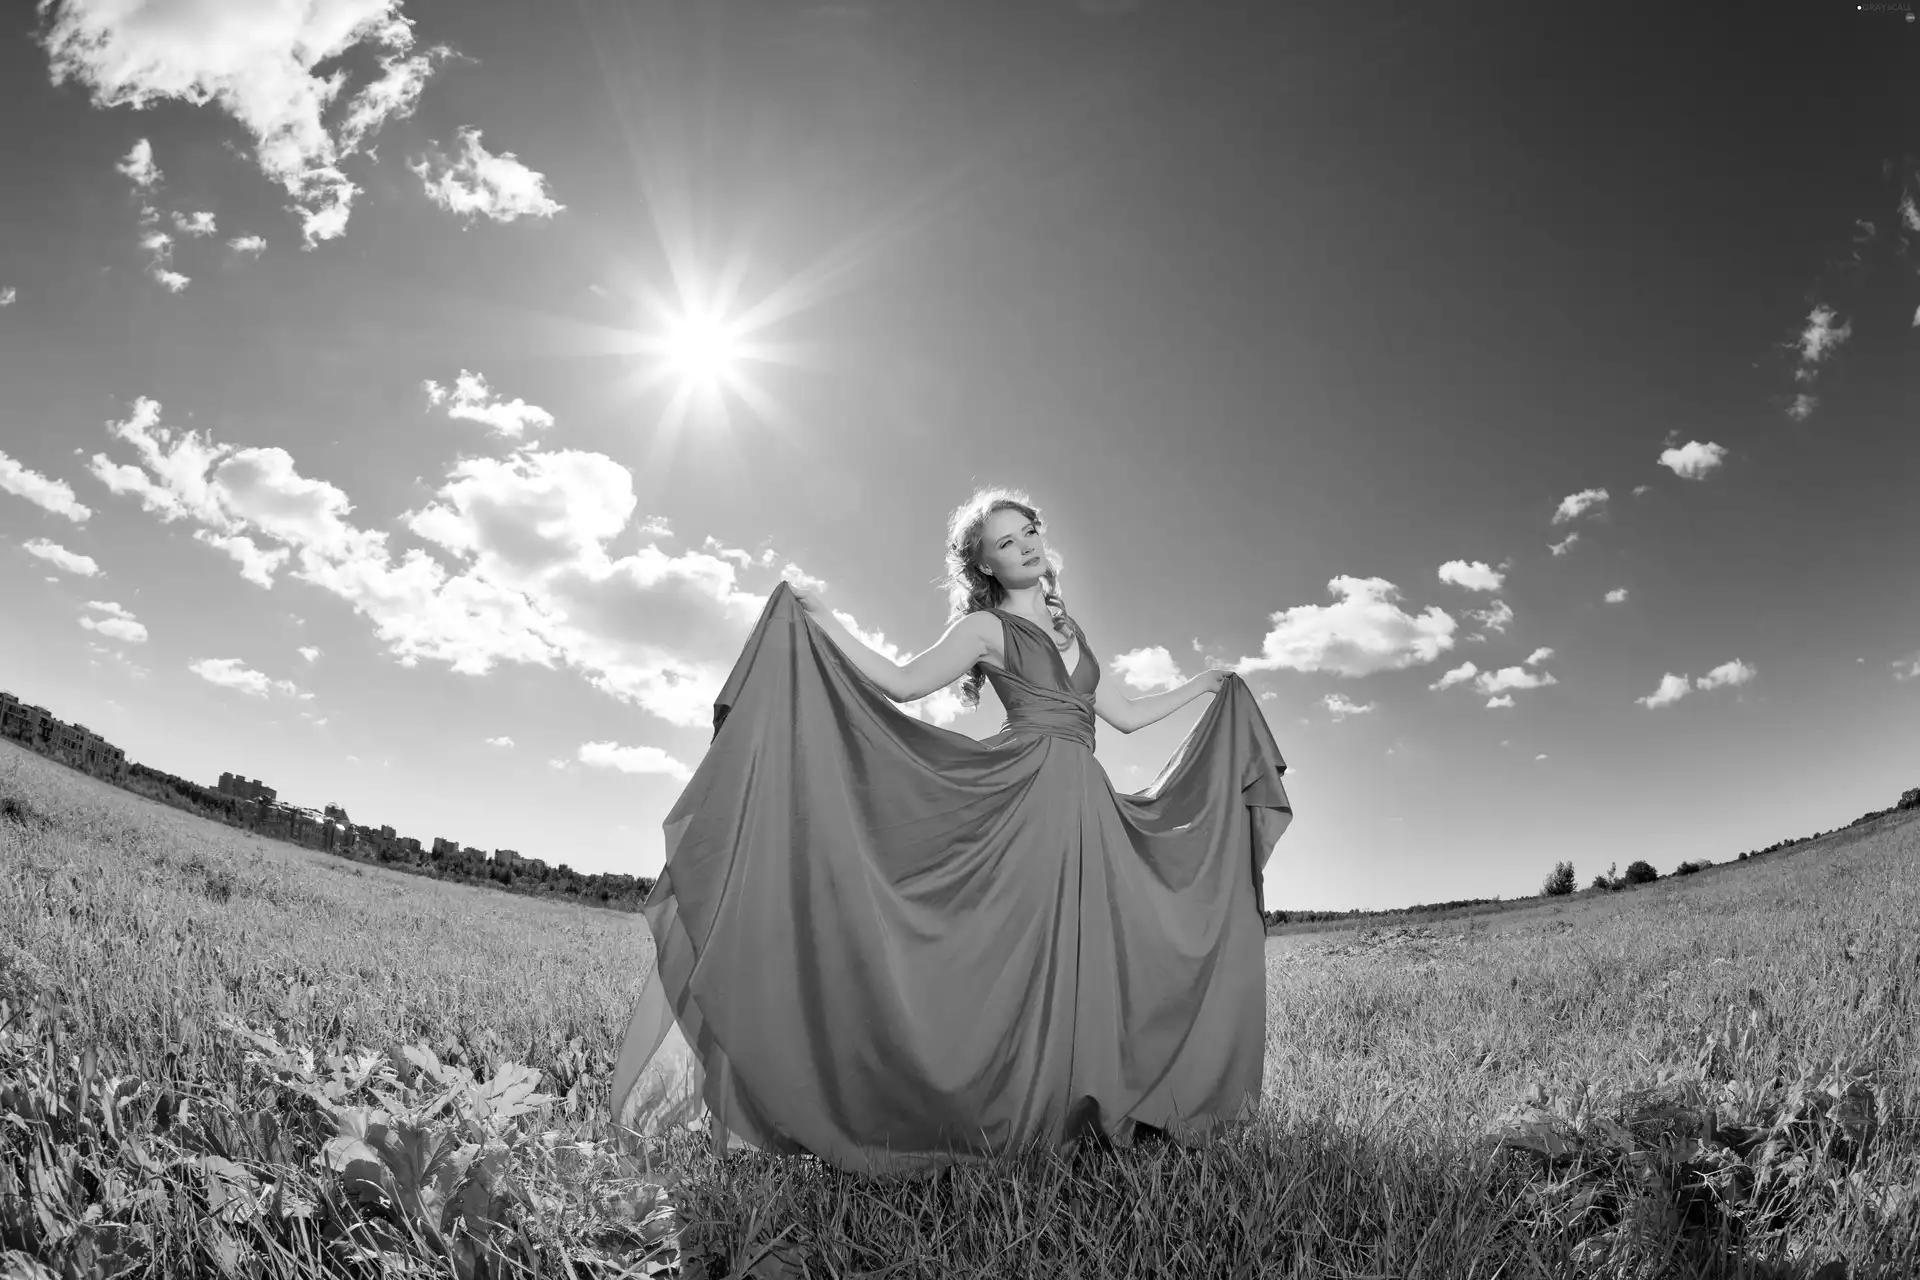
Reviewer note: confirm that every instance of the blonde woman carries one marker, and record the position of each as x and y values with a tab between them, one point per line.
891	945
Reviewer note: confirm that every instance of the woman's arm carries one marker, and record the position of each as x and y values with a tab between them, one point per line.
964	644
1127	714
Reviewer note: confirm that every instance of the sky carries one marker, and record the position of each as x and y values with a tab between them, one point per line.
411	404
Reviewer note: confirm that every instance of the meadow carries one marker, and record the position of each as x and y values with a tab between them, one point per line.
222	1055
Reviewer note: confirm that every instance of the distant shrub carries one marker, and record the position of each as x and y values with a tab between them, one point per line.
1601	883
1688	868
1909	799
1560	882
1641	872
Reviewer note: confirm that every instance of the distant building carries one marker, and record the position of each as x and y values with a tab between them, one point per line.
335	813
445	848
232	784
73	745
506	857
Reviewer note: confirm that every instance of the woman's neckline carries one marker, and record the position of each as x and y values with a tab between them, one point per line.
1048	626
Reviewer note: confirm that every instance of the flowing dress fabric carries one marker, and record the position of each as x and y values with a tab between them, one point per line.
891	945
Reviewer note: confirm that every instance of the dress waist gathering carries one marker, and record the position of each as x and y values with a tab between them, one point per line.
1073	723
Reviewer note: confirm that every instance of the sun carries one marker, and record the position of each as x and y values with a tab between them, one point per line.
704	349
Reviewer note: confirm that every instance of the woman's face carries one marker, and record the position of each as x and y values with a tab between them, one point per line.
1011	549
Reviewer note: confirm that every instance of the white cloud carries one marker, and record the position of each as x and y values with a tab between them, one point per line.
1640	489
7	296
1616	595
309	652
1693	460
1474	576
470	398
608	755
258	64
1727	673
232	673
1565	545
1907	668
1459	675
255	245
1504	700
1672	689
138	165
1363	632
1507	678
501	741
193	224
1342	706
531	582
48	494
1150	668
475	182
118	624
159	246
1496	617
1821	337
55	554
257	563
1541	756
1576	504
1803	406
1538	656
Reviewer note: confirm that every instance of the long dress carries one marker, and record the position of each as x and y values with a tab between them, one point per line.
891	945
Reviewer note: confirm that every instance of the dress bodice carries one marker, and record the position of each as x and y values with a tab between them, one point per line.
1036	688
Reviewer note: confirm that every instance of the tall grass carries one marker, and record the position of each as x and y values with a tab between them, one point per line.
220	1055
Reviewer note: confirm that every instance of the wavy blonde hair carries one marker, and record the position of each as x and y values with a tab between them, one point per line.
969	590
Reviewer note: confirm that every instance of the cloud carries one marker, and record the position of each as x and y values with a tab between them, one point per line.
1820	338
118	624
1541	756
231	673
1907	668
7	296
474	182
1693	460
1151	668
193	224
501	741
255	245
1672	689
1474	577
258	64
1576	504
159	247
1459	675
55	554
531	578
1538	656
308	652
1616	595
1509	678
1496	617
257	564
608	755
138	165
48	494
1802	407
1363	632
1641	488
1565	545
1727	673
1342	706
1505	700
470	398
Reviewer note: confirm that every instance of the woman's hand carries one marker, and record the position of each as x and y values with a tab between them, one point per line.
1212	680
809	597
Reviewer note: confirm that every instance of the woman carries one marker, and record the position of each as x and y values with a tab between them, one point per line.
890	945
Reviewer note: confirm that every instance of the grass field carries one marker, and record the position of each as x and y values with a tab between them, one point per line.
222	1055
